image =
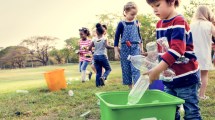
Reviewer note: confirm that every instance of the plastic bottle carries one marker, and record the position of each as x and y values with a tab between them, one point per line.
152	52
141	63
71	93
138	90
22	91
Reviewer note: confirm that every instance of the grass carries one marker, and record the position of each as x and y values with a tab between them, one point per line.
40	104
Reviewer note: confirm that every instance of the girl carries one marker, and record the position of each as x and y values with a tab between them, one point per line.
84	54
94	35
202	30
100	55
131	43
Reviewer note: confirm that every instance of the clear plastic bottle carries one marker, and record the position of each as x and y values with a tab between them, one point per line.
22	91
71	93
141	62
138	90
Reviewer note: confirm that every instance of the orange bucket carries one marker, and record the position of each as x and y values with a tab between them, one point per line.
55	79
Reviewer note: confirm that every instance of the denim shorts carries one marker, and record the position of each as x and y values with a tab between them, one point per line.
83	65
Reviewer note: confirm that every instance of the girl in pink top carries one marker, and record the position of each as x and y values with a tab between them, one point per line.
85	56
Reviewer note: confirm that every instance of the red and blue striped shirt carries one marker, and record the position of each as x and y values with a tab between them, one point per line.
177	31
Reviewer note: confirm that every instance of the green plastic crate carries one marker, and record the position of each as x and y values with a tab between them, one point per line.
153	104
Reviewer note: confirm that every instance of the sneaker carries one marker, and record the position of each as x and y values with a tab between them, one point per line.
102	81
90	75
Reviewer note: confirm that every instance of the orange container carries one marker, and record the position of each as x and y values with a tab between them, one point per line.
55	79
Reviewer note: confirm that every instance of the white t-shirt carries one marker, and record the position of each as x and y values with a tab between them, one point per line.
202	40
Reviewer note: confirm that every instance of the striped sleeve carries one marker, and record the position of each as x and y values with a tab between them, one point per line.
177	42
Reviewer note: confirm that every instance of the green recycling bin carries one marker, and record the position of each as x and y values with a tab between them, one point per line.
154	105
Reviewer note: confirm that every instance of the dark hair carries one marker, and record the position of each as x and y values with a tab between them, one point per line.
85	30
168	1
104	26
99	29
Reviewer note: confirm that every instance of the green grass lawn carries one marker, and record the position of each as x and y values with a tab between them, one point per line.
40	104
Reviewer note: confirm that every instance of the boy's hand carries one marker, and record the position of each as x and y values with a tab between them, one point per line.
153	75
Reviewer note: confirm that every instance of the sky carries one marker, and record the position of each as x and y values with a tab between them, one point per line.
21	19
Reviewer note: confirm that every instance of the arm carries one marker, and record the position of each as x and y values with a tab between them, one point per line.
141	48
154	73
90	47
141	42
177	43
177	49
108	46
213	30
118	33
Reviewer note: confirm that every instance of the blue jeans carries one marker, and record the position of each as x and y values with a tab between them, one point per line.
101	61
190	95
83	65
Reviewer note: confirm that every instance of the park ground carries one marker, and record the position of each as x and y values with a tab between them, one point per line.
41	104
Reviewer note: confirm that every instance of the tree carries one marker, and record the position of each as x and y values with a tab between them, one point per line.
190	9
39	46
58	55
147	28
69	50
110	19
14	56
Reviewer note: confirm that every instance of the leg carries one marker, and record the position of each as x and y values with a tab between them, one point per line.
204	80
98	67
93	66
126	73
106	65
80	64
80	69
83	70
172	92
103	71
190	95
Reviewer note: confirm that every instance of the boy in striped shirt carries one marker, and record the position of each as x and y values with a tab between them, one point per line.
179	57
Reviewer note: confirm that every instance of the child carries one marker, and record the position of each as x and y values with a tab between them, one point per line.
100	55
94	36
175	29
202	29
131	43
84	54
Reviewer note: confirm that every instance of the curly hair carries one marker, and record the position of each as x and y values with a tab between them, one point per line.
85	30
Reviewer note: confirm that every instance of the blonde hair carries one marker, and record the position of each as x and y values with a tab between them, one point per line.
128	6
203	13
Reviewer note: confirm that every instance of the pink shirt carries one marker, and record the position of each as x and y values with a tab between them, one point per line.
83	52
